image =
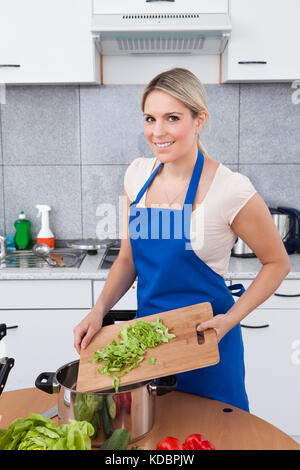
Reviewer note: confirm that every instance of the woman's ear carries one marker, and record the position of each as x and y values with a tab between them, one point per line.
200	120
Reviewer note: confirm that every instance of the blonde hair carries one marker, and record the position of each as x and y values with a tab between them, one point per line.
183	85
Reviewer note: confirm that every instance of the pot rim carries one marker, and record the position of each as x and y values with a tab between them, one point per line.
122	389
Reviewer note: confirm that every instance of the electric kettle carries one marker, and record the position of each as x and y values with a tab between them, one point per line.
287	221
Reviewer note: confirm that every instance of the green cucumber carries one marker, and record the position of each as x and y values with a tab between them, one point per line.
111	406
106	419
119	440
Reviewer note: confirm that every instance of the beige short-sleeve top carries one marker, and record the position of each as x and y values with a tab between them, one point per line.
212	237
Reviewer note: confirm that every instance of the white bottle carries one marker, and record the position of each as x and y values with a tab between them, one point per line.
45	235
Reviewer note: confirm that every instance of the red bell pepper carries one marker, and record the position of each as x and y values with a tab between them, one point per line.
117	400
206	445
192	442
197	442
169	443
126	401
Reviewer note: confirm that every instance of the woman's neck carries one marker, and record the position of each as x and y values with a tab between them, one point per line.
182	168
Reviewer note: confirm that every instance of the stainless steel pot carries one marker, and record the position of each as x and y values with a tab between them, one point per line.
133	407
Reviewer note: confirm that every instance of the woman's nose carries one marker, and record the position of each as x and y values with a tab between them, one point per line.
158	129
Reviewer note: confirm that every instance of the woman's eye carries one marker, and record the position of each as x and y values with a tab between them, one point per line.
173	118
149	119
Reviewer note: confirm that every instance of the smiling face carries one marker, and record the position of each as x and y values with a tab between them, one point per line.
169	126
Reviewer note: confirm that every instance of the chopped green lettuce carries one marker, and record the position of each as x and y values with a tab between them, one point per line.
119	357
40	433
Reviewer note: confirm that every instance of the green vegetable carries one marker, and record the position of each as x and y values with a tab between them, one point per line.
152	361
87	408
111	406
119	440
119	357
106	420
39	433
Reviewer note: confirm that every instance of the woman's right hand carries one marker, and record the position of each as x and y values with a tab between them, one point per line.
86	329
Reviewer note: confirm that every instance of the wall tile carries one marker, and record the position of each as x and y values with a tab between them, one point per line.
102	185
221	139
1	156
2	223
40	125
269	124
57	186
112	125
277	184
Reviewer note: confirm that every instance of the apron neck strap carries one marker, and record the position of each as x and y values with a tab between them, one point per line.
193	186
144	188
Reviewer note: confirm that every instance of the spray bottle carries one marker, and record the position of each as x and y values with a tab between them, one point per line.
45	235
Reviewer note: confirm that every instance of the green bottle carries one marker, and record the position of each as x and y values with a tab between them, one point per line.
23	239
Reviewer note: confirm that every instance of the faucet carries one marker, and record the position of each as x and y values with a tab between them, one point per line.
3	247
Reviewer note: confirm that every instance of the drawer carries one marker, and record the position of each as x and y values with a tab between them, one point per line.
127	302
45	294
286	296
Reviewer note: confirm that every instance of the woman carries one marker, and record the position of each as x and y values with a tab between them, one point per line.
185	213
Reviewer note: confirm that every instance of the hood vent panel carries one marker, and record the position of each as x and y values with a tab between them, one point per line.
155	43
167	32
161	44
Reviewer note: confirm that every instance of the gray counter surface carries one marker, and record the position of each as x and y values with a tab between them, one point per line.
239	268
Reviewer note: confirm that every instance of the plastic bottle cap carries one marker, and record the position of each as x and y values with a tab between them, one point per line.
22	215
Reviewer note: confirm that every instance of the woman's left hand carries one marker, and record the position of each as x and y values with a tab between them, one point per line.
220	323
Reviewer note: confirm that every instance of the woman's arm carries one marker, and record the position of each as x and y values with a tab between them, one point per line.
254	225
121	276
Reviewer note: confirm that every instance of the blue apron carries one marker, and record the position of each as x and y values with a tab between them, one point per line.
170	275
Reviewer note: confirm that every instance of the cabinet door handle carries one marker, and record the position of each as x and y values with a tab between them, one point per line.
287	295
254	327
242	62
9	65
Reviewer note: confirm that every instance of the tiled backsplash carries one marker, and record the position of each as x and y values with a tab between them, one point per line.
69	147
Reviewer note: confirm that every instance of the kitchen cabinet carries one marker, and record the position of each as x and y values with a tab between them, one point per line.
272	371
127	302
47	42
42	342
39	294
264	41
45	313
134	6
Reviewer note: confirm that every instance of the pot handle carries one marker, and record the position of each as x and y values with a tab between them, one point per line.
165	385
50	386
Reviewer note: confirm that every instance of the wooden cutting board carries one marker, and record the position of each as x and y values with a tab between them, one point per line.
180	354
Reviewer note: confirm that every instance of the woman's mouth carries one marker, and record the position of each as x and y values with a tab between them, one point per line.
163	145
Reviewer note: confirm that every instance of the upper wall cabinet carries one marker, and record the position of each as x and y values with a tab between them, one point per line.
264	44
142	6
47	41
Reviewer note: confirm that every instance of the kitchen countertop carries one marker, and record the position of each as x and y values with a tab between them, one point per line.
239	268
177	414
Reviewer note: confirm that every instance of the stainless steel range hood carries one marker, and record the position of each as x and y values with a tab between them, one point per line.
160	27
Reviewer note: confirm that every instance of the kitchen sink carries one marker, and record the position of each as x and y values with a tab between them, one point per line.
25	259
109	257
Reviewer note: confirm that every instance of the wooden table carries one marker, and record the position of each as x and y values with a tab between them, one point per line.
178	414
